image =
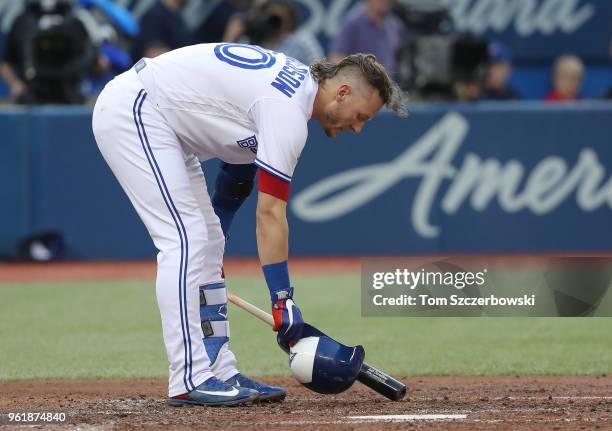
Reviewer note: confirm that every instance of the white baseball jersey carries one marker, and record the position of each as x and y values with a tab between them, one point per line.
240	103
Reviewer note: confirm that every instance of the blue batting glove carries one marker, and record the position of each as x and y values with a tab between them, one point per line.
288	321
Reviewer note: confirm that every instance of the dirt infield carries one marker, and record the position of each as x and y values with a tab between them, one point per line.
145	270
464	403
439	403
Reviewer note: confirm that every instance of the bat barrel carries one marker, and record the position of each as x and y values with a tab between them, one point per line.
382	383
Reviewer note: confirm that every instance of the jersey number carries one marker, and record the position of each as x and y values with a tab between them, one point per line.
244	56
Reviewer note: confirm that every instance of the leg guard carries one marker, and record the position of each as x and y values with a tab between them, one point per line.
213	313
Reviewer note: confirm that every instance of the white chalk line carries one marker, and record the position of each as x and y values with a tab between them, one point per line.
553	398
474	415
405	418
375	418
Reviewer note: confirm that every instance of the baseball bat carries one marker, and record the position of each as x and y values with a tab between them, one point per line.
370	376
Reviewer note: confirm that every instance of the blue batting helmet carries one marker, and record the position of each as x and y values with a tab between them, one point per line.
324	365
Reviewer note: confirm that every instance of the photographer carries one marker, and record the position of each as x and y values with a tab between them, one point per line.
215	25
469	59
273	25
48	53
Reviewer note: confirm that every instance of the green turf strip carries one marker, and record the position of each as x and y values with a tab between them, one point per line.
112	330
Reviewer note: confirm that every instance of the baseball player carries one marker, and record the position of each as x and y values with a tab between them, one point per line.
155	123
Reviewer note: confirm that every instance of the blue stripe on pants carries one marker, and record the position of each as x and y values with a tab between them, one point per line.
187	375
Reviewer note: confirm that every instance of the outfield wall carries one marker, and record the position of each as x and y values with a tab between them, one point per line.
518	177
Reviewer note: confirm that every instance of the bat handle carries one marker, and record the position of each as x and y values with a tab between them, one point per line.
381	382
250	308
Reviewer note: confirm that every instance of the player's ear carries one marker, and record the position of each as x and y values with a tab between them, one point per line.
343	91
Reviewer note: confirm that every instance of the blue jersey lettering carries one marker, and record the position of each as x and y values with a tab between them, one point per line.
290	77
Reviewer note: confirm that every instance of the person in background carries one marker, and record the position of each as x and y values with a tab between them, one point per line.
568	73
467	90
273	24
371	29
162	29
112	28
217	22
469	60
499	70
298	43
48	54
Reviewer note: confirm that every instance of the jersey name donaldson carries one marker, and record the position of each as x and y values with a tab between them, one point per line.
290	77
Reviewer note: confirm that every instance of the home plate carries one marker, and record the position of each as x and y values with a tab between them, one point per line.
405	418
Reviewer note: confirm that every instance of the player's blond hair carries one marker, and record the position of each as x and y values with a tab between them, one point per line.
370	70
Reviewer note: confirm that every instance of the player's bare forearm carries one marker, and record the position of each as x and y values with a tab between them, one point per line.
272	229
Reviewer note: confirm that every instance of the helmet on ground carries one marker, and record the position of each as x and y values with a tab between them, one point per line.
324	365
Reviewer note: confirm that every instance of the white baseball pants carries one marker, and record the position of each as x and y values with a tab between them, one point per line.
167	188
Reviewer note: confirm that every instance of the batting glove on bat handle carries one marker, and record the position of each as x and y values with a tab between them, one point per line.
288	321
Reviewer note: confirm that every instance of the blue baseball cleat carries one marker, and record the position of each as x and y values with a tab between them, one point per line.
214	392
267	393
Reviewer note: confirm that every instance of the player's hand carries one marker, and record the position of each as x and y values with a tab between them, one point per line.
288	321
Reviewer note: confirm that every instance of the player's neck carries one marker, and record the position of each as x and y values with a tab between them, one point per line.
321	99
